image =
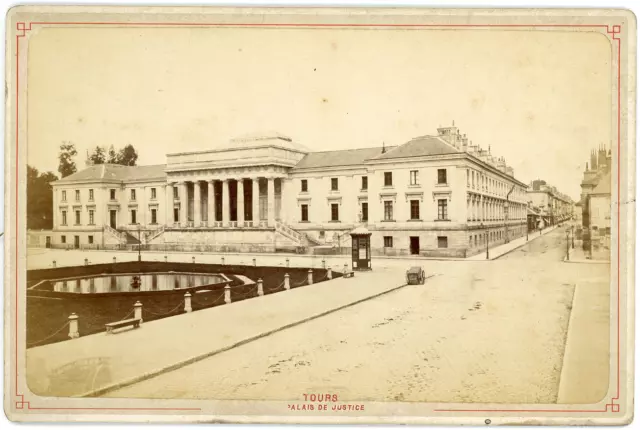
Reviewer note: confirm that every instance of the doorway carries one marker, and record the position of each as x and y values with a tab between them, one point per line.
112	219
414	245
48	242
76	242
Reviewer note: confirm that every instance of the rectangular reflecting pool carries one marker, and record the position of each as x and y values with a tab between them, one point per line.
125	283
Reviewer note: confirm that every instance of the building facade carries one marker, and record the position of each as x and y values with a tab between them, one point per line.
596	198
547	205
435	195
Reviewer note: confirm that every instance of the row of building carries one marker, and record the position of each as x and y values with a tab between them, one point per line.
435	195
595	198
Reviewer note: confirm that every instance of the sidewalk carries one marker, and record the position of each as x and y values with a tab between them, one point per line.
498	251
585	369
94	364
577	255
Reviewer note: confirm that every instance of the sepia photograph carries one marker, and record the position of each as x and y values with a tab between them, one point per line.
244	215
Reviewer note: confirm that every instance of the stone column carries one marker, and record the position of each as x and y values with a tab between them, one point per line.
226	206
211	214
184	203
271	202
197	204
255	204
240	202
169	203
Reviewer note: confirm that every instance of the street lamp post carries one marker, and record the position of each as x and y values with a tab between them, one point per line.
139	244
567	244
573	245
486	238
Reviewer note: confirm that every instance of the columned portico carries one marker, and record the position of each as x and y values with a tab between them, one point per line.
240	199
211	217
255	197
226	203
197	205
184	203
271	202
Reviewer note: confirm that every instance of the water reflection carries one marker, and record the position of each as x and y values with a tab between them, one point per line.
123	283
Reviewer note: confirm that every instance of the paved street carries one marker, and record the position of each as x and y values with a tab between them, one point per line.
485	331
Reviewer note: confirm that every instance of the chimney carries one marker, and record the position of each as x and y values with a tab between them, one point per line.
383	148
465	143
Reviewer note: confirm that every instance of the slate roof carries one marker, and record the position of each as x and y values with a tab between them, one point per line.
116	172
419	146
343	157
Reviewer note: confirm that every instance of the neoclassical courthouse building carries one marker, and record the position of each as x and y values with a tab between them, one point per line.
435	195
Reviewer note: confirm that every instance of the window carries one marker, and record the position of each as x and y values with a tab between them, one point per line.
175	192
388	179
304	186
154	216
443	242
388	210
91	195
176	215
153	193
334	212
133	194
334	184
388	241
304	213
64	217
154	282
365	183
77	195
63	239
470	240
365	211
64	196
467	178
91	217
415	209
77	217
413	177
90	240
442	209
112	193
133	216
442	176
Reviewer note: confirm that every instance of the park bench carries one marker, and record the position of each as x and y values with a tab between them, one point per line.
135	322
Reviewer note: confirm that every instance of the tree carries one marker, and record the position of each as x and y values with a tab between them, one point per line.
98	156
67	166
127	156
39	199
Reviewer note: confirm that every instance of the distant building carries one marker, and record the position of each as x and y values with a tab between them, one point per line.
435	195
547	204
595	198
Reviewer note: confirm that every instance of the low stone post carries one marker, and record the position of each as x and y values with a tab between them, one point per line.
324	264
223	261
137	311
86	261
287	286
254	261
310	277
329	273
260	288
187	302
227	294
345	269
54	263
287	262
193	260
73	326
165	258
114	260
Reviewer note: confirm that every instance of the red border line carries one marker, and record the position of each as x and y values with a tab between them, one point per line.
615	31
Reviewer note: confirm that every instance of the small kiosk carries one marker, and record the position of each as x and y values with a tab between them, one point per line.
361	249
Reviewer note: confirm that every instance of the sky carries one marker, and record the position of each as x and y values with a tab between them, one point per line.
542	100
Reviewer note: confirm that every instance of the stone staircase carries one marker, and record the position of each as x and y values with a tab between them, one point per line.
300	239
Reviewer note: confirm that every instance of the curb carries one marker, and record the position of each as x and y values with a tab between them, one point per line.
175	366
566	342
